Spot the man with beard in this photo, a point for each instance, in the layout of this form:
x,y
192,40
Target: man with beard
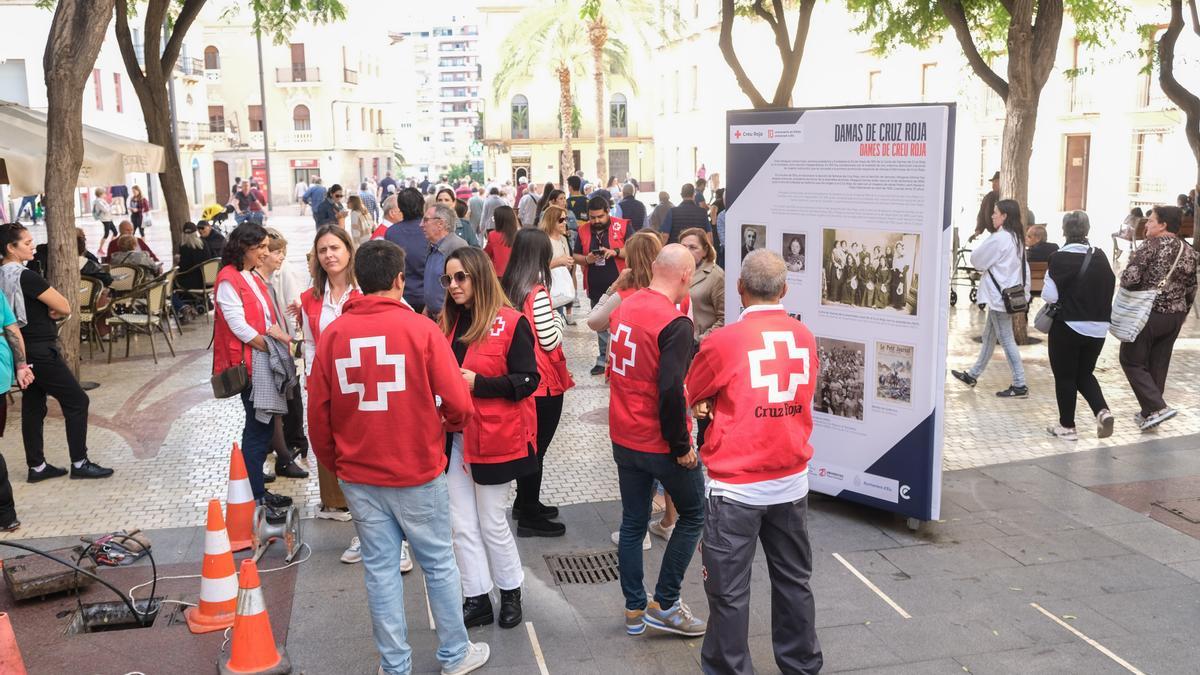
x,y
600,248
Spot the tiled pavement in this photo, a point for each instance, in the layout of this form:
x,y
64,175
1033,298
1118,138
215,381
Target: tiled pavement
x,y
169,439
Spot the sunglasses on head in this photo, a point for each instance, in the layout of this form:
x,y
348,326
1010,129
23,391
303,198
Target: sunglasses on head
x,y
459,278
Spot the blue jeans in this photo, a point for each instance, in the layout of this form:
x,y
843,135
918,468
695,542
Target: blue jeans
x,y
602,339
383,518
999,328
256,443
636,473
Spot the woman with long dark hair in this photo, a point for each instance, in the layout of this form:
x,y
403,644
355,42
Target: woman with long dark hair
x,y
500,240
245,320
1001,262
526,283
494,345
543,201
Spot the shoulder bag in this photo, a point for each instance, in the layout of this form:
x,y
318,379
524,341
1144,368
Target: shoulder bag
x,y
562,291
1015,300
231,381
1131,309
1049,311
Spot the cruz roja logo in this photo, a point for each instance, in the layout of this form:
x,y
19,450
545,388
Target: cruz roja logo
x,y
372,374
622,351
769,369
498,327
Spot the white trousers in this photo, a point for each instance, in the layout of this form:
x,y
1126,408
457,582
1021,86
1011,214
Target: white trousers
x,y
483,542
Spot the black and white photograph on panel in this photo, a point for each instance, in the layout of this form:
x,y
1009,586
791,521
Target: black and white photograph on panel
x,y
793,251
893,373
841,376
754,237
873,270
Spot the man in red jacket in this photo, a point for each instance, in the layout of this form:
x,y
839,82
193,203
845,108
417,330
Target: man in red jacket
x,y
651,438
378,368
755,379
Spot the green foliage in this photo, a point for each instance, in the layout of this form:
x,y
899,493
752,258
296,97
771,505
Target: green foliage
x,y
463,171
278,18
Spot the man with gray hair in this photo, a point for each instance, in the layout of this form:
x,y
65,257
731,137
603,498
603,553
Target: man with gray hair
x,y
1037,248
631,208
755,379
438,225
659,214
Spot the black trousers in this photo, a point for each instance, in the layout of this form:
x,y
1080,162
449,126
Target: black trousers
x,y
1073,361
8,506
1147,359
731,533
293,423
108,225
549,411
52,377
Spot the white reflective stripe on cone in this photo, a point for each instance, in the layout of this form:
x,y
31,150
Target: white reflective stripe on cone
x,y
250,602
240,492
216,543
219,590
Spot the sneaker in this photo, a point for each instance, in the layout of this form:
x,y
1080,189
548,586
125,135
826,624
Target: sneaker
x,y
11,527
597,370
675,619
964,377
1157,418
277,501
616,539
327,513
570,319
1065,433
1104,424
1014,392
477,655
1138,419
406,563
49,471
657,529
353,552
89,469
633,621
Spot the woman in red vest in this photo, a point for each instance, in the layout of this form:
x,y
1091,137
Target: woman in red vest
x,y
494,346
500,240
245,318
525,283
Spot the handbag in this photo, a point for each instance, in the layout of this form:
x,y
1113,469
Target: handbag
x,y
231,381
1049,311
562,291
1131,309
1015,300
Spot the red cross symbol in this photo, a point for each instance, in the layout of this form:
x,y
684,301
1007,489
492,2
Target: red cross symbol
x,y
622,352
498,327
370,376
737,134
770,370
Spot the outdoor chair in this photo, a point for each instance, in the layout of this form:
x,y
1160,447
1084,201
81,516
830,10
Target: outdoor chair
x,y
125,279
90,290
208,270
145,311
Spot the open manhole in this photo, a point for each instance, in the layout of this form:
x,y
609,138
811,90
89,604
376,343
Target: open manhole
x,y
103,617
584,568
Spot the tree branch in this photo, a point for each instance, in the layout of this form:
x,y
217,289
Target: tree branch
x,y
731,57
762,13
791,63
183,23
1047,29
156,16
1188,102
957,16
125,42
1195,17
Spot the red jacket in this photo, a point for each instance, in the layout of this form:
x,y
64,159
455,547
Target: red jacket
x,y
501,430
633,419
762,371
552,365
498,251
372,412
312,306
228,351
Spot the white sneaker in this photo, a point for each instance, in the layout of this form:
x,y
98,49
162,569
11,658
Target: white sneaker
x,y
616,539
1104,424
1157,418
657,529
1065,433
326,513
477,655
353,553
406,563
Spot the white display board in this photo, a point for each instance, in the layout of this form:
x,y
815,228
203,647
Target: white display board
x,y
857,200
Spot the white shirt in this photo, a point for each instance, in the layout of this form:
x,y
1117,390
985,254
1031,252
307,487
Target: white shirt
x,y
331,309
235,313
1096,329
762,493
999,254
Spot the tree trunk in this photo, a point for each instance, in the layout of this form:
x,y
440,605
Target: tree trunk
x,y
598,35
158,131
565,105
1016,149
72,46
1187,101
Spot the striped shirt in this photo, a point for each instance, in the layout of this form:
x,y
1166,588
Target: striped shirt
x,y
547,323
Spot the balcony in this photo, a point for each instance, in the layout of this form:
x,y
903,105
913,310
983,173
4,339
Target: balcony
x,y
189,68
295,140
1079,95
212,75
1150,95
297,74
349,76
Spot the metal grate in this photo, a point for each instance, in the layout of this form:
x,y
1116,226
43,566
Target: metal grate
x,y
584,568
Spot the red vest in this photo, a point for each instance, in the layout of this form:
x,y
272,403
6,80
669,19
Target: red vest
x,y
228,351
312,311
633,371
617,229
684,307
501,430
762,371
552,365
380,231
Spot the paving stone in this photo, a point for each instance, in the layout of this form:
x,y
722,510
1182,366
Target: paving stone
x,y
1038,549
960,559
1154,540
1068,657
1159,610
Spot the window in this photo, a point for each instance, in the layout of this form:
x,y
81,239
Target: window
x,y
678,84
212,58
362,119
989,162
618,116
1151,153
255,115
99,91
928,73
520,117
618,164
872,86
695,87
117,91
216,118
300,118
447,136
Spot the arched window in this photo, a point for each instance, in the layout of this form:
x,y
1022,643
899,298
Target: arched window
x,y
212,58
520,117
301,119
618,116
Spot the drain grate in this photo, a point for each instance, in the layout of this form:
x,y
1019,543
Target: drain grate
x,y
584,568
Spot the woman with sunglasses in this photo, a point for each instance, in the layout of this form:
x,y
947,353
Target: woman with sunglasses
x,y
525,283
494,345
554,224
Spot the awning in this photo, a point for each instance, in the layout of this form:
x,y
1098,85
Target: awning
x,y
107,157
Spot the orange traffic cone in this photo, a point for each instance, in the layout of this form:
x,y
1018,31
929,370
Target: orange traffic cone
x,y
218,579
239,503
11,662
252,648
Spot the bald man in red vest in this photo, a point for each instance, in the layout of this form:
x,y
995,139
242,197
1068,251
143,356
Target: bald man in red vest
x,y
755,379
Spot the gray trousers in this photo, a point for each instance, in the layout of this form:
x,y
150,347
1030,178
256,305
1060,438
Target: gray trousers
x,y
731,532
